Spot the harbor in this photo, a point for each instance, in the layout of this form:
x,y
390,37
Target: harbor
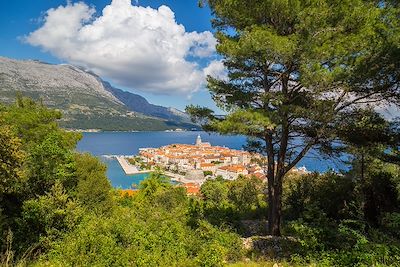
x,y
128,168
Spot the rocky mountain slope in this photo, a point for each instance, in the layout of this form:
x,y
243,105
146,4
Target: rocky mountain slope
x,y
86,100
138,103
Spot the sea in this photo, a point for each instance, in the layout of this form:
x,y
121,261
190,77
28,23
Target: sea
x,y
104,144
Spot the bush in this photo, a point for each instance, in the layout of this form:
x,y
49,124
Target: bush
x,y
345,244
391,223
48,217
206,173
229,202
331,193
93,189
145,235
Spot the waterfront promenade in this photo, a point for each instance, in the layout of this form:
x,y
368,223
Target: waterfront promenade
x,y
128,168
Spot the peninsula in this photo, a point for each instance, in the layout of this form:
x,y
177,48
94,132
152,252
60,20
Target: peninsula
x,y
194,163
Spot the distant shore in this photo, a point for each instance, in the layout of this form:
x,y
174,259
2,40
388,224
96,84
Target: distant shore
x,y
126,131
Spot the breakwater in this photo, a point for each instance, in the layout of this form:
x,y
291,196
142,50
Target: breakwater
x,y
128,168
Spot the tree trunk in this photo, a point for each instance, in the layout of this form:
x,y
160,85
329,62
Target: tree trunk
x,y
276,198
275,206
273,191
275,176
362,167
368,204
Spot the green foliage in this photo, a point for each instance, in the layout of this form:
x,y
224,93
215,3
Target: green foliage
x,y
366,128
61,211
246,193
377,187
11,161
33,122
146,234
303,75
47,218
207,173
346,244
381,195
230,202
47,147
330,193
215,192
49,161
93,189
36,153
391,223
117,122
328,223
155,183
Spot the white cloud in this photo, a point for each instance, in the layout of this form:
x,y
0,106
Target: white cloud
x,y
137,47
216,69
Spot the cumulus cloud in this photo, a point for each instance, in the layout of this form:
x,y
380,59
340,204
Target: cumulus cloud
x,y
137,47
216,69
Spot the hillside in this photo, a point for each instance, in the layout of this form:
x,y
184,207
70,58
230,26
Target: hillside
x,y
86,100
138,103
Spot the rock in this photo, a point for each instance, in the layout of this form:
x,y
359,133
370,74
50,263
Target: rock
x,y
270,246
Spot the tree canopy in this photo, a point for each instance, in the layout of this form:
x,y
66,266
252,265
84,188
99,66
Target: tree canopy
x,y
296,70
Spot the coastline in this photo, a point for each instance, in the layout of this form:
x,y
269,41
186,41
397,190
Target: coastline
x,y
128,168
108,145
180,178
126,131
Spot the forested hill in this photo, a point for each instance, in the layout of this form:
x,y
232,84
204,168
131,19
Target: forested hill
x,y
86,101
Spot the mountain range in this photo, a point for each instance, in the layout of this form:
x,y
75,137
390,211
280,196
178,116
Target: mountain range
x,y
87,101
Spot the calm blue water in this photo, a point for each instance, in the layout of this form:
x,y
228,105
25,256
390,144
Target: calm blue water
x,y
128,143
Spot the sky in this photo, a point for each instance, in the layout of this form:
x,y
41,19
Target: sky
x,y
162,50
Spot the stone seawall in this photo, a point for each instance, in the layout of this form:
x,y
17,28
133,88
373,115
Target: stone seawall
x,y
128,168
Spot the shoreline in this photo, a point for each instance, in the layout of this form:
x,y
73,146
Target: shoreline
x,y
128,168
126,131
181,178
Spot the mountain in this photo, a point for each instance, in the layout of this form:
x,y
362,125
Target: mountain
x,y
86,100
139,104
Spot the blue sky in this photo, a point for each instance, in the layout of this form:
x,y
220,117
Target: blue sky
x,y
25,34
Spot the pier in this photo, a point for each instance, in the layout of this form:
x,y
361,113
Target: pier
x,y
128,168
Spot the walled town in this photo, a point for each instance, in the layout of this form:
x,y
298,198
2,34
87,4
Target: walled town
x,y
202,160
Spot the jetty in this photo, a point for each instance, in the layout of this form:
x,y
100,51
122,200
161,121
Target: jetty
x,y
128,168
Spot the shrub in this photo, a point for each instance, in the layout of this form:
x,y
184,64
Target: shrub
x,y
149,236
330,192
48,217
93,189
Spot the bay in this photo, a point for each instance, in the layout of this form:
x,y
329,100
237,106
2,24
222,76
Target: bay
x,y
128,143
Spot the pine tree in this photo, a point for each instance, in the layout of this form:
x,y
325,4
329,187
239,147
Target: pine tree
x,y
295,71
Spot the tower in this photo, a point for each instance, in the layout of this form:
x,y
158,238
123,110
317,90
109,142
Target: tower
x,y
198,140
